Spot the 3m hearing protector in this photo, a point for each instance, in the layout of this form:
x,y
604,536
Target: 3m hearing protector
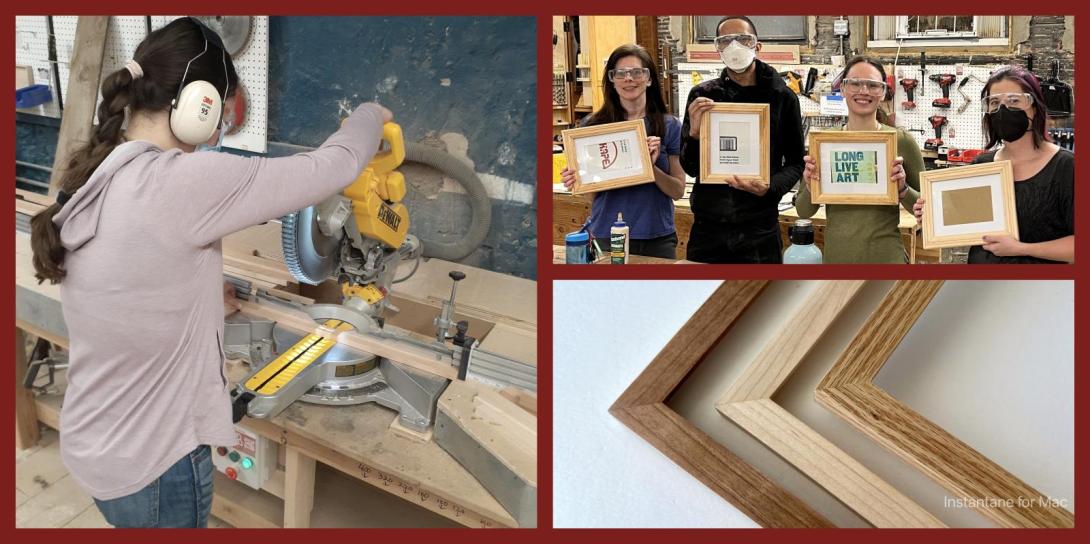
x,y
197,108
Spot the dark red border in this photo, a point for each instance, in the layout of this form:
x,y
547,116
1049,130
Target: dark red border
x,y
548,272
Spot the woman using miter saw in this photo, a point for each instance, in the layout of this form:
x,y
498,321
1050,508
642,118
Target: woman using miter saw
x,y
1044,173
134,241
866,233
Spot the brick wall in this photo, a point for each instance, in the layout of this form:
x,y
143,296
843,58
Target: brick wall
x,y
1045,42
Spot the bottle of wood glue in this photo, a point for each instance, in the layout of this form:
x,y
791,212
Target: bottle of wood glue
x,y
618,241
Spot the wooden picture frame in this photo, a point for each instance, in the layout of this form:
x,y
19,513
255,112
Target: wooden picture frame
x,y
623,147
642,407
746,144
964,204
848,390
748,402
825,148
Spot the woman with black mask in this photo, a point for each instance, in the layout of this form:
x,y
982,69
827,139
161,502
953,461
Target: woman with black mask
x,y
1044,174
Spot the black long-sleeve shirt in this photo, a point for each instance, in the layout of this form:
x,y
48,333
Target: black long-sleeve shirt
x,y
1045,204
724,204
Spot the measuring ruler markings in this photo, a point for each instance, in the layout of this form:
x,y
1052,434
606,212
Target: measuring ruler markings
x,y
275,375
432,501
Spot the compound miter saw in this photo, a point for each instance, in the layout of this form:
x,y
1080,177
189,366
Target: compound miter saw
x,y
357,238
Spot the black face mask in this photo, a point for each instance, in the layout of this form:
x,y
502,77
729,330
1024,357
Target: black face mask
x,y
1007,124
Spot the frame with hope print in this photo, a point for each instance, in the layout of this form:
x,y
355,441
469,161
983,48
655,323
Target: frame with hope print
x,y
608,156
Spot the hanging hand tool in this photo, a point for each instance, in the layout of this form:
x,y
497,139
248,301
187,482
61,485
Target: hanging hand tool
x,y
910,87
944,81
961,90
923,72
937,122
811,80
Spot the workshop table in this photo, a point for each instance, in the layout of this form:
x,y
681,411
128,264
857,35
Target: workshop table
x,y
356,440
571,211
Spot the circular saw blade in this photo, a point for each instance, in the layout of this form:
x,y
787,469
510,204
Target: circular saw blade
x,y
310,256
233,30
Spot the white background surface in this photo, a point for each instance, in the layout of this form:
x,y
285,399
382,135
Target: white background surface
x,y
590,169
992,362
750,142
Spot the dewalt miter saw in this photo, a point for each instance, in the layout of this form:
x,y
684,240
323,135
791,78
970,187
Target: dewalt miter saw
x,y
357,238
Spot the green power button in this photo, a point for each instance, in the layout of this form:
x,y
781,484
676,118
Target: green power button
x,y
233,456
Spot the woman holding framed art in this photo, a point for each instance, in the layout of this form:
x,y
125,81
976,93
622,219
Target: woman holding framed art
x,y
860,233
1044,173
633,92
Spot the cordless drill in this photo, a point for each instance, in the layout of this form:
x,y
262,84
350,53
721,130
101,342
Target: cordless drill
x,y
944,81
910,89
937,121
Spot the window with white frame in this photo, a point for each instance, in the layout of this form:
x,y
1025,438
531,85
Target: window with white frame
x,y
936,26
938,30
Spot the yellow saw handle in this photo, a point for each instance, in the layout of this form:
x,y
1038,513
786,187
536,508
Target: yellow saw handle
x,y
387,161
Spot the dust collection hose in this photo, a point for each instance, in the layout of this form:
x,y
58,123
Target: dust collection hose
x,y
479,200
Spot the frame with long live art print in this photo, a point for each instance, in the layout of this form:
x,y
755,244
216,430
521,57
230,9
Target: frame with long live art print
x,y
608,156
854,167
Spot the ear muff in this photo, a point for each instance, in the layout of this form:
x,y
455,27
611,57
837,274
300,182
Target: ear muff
x,y
195,114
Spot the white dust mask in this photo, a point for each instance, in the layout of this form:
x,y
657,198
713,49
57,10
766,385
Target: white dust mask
x,y
737,57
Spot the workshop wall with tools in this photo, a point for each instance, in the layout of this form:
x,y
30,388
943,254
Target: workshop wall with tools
x,y
1044,44
936,68
421,68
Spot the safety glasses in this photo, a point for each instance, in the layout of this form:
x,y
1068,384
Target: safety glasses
x,y
1013,101
857,85
724,41
636,74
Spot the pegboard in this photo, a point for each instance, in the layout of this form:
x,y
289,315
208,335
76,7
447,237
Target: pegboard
x,y
252,65
32,49
967,125
689,74
123,34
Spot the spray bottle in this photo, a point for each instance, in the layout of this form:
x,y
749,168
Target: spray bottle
x,y
802,249
618,241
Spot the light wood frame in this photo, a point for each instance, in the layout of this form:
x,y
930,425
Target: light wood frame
x,y
819,137
706,145
1006,187
748,402
642,407
646,174
849,391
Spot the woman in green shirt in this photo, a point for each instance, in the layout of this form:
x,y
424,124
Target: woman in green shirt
x,y
866,233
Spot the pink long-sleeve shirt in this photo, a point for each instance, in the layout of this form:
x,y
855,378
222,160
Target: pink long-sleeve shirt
x,y
143,294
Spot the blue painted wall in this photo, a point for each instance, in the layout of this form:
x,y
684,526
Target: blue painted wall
x,y
469,79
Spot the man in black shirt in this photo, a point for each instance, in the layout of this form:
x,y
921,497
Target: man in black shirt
x,y
738,222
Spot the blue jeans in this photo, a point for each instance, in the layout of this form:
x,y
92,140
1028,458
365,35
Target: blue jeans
x,y
181,497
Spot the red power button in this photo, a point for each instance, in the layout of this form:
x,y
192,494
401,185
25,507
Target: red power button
x,y
231,473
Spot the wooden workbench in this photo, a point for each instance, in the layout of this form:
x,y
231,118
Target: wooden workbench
x,y
571,211
355,440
